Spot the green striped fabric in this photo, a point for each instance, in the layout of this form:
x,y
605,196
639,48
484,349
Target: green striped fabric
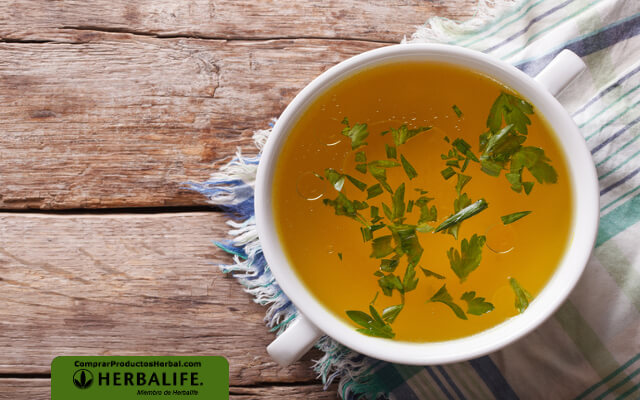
x,y
590,349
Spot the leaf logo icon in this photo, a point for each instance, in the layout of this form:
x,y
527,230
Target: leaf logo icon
x,y
82,378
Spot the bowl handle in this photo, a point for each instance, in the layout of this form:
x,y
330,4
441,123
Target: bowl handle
x,y
294,342
560,71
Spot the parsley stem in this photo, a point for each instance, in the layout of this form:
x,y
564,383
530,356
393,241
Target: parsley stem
x,y
463,214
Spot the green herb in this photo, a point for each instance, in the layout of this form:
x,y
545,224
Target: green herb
x,y
427,214
429,273
343,206
384,163
522,296
379,171
389,282
462,181
476,305
358,133
410,206
457,111
373,191
402,134
513,110
408,168
422,200
407,241
509,218
360,185
495,140
490,167
447,173
390,314
464,166
381,247
398,202
452,154
464,148
340,256
534,159
503,145
374,214
391,151
409,281
362,168
361,157
372,325
387,211
459,203
443,296
374,298
421,191
501,152
527,187
446,139
360,205
453,163
469,257
461,145
466,212
376,227
367,233
388,265
424,228
335,178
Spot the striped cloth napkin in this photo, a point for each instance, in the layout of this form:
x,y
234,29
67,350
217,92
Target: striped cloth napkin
x,y
590,349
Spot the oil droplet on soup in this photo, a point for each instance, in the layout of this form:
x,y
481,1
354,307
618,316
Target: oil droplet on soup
x,y
327,250
310,186
501,238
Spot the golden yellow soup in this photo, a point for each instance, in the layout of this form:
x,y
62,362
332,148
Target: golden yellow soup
x,y
332,255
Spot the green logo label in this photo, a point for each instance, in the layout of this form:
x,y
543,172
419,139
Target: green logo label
x,y
82,378
124,378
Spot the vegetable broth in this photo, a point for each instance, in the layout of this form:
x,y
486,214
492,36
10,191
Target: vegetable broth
x,y
327,250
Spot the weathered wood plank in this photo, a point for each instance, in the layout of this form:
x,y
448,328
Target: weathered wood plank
x,y
380,20
124,121
127,285
40,389
32,389
308,392
120,120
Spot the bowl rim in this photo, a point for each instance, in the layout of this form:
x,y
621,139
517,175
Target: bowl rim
x,y
578,249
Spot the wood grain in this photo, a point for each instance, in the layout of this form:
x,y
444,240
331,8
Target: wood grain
x,y
125,120
127,285
97,119
32,389
375,20
307,392
40,389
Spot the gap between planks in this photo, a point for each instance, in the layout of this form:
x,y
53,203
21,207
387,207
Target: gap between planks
x,y
230,39
40,389
125,211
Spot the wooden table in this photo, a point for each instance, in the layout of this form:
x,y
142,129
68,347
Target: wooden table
x,y
106,108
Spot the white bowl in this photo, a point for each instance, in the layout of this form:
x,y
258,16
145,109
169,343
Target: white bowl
x,y
316,320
